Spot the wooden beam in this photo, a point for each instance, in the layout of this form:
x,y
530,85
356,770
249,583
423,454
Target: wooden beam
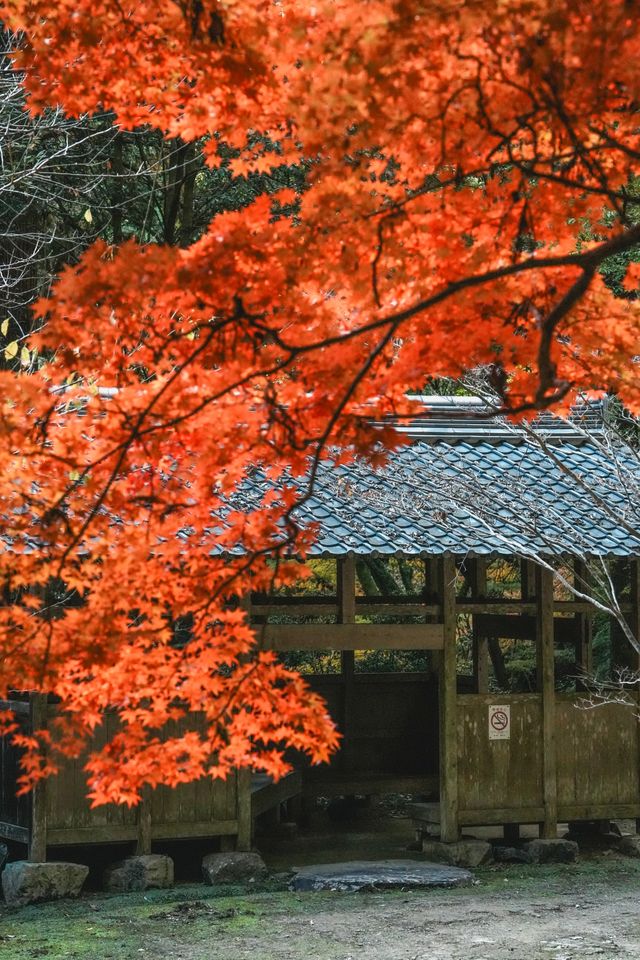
x,y
480,640
448,695
116,833
369,607
353,636
546,673
38,833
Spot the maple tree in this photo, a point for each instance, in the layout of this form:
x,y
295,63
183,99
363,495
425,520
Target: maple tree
x,y
469,171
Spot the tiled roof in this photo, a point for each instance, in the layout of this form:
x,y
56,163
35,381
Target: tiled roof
x,y
475,486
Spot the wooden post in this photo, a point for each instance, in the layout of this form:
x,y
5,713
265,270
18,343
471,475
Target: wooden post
x,y
634,615
480,643
431,595
527,579
243,802
448,704
38,835
143,839
347,614
584,624
243,839
546,672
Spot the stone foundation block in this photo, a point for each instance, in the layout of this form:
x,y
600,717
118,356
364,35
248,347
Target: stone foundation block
x,y
146,872
233,867
623,828
24,882
630,846
462,853
552,851
502,854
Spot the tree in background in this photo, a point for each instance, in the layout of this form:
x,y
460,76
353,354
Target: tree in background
x,y
468,171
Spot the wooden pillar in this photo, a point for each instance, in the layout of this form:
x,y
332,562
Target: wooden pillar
x,y
143,839
243,806
244,836
347,614
480,643
448,704
584,625
634,615
38,834
546,673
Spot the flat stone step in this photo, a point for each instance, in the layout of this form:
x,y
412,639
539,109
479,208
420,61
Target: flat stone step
x,y
379,875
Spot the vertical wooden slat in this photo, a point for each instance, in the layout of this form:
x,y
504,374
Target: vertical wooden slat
x,y
546,671
448,704
480,643
584,624
38,837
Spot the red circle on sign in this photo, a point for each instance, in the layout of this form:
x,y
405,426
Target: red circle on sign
x,y
499,720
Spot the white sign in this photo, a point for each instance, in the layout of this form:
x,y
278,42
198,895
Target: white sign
x,y
500,722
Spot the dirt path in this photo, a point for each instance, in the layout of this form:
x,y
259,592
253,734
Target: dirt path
x,y
587,910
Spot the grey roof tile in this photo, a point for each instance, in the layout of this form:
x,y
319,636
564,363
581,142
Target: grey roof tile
x,y
492,495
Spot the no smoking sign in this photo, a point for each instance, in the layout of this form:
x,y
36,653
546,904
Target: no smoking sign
x,y
500,722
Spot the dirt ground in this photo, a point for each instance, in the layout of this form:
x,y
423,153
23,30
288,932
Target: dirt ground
x,y
590,909
573,912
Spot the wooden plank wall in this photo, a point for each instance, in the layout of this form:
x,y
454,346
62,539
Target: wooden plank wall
x,y
496,777
597,750
14,810
392,726
597,759
202,808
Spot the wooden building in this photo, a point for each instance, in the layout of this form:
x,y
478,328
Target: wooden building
x,y
469,494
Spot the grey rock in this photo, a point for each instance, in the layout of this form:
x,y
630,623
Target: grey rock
x,y
146,872
552,851
630,846
462,853
4,855
233,867
623,828
511,855
24,882
379,875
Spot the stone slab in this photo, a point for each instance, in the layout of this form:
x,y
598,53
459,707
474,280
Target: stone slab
x,y
379,875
